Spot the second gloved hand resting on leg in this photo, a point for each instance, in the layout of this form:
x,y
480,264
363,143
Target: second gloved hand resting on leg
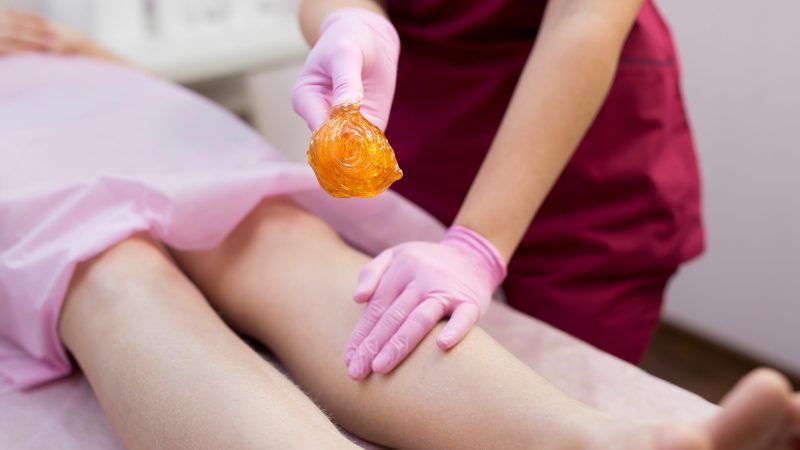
x,y
410,287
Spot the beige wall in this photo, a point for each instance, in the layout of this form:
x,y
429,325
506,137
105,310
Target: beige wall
x,y
741,64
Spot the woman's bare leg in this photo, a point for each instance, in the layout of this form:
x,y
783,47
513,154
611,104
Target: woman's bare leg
x,y
285,278
167,370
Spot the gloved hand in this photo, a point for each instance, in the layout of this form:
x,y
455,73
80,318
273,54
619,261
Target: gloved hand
x,y
410,287
354,59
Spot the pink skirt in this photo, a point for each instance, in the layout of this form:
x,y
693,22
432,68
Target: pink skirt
x,y
92,152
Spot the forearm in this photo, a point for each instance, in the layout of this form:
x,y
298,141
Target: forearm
x,y
559,93
313,12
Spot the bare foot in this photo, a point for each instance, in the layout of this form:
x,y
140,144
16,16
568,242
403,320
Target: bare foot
x,y
754,414
758,414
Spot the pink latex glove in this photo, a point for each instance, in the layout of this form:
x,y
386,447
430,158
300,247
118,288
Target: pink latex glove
x,y
411,287
354,60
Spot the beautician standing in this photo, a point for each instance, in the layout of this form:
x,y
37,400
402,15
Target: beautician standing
x,y
551,134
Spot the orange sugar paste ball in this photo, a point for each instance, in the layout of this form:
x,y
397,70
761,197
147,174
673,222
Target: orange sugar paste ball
x,y
350,156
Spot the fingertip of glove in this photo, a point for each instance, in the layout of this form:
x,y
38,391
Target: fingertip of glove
x,y
382,364
361,296
357,371
448,339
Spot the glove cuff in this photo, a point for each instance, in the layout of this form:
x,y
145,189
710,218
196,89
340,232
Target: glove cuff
x,y
463,237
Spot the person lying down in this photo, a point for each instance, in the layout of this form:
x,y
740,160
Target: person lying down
x,y
142,227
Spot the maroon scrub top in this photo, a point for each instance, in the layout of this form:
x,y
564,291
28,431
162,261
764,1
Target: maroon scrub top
x,y
626,210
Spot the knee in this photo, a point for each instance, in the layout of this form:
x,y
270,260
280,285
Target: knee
x,y
135,259
281,222
105,283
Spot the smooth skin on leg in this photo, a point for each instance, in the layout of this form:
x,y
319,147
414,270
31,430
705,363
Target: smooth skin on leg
x,y
168,372
285,278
